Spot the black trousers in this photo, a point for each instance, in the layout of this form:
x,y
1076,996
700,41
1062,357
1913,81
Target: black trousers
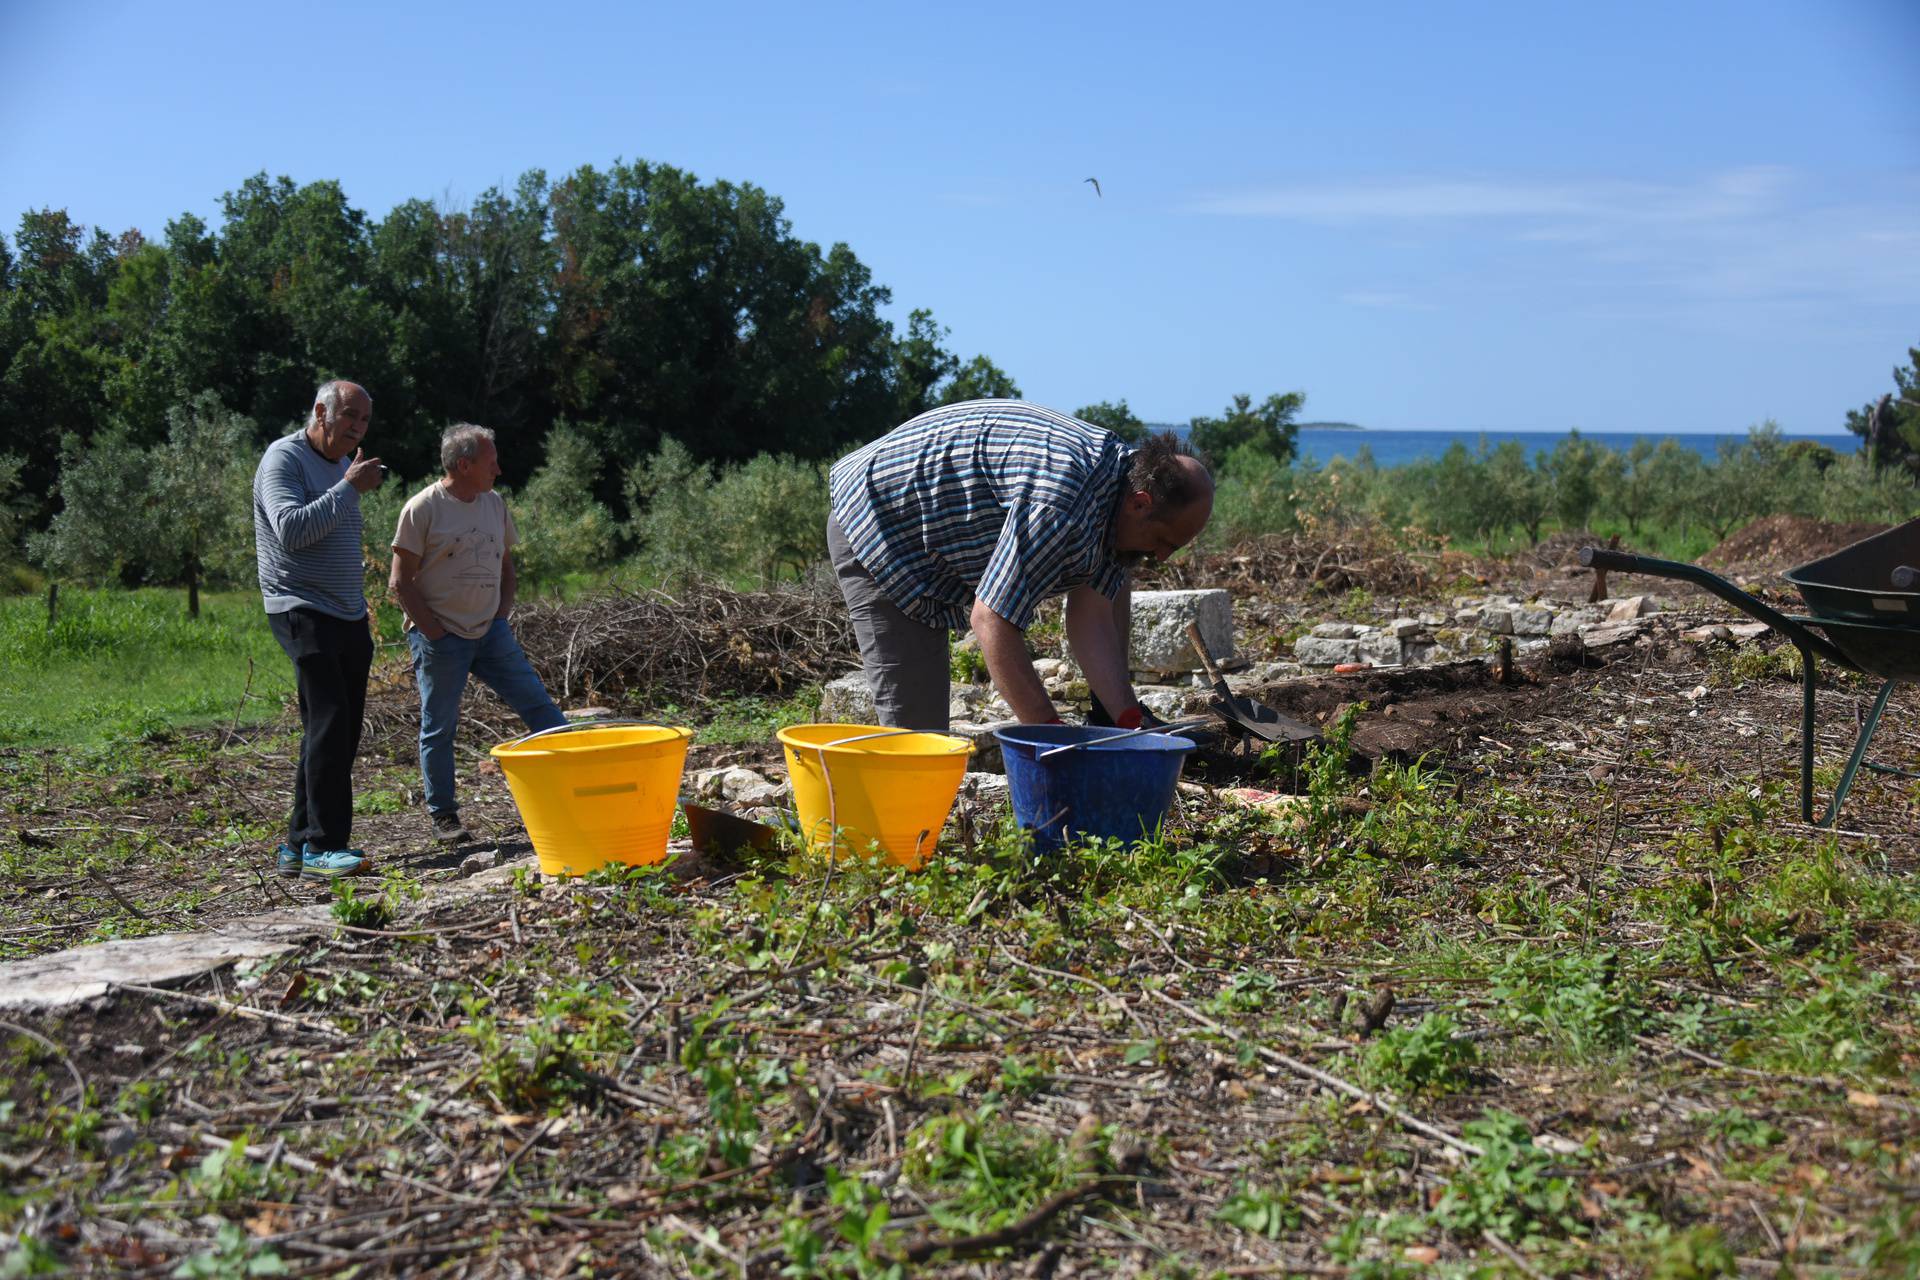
x,y
331,658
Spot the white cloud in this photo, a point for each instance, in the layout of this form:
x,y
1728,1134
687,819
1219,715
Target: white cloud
x,y
1755,234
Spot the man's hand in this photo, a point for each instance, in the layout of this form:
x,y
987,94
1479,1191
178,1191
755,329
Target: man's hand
x,y
365,474
1005,649
405,585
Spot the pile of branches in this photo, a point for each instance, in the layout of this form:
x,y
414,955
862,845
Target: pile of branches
x,y
1365,559
692,647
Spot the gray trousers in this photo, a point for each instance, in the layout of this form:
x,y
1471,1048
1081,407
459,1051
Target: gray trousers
x,y
907,662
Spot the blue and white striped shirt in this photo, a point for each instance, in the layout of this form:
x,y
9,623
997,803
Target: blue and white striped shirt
x,y
306,532
995,500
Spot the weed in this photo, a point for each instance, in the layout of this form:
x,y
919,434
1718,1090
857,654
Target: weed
x,y
1262,1210
234,1256
1427,1057
988,1170
1573,998
1511,1188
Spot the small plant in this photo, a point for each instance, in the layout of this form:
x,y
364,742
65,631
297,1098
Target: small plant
x,y
968,665
1511,1188
233,1257
1427,1057
1264,1211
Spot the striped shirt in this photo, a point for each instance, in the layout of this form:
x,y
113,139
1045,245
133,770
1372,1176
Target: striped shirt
x,y
990,500
306,532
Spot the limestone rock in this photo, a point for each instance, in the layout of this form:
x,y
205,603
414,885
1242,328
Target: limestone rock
x,y
1158,640
1533,621
1318,651
1337,631
848,700
1630,608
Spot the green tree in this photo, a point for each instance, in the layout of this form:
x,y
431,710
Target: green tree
x,y
1270,428
1574,473
675,515
920,363
776,515
195,517
1115,417
1898,442
563,528
979,379
1521,492
98,529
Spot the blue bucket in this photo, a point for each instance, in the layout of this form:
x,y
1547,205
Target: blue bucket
x,y
1120,788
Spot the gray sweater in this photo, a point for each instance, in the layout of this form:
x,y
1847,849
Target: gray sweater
x,y
306,532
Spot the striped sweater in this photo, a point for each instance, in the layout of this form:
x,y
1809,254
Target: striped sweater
x,y
306,532
991,500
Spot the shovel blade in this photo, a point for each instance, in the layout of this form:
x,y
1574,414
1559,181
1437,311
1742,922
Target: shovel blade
x,y
1263,722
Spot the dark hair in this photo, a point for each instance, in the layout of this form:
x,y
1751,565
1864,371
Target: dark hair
x,y
1156,472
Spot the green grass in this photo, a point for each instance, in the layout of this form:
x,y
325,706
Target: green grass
x,y
120,664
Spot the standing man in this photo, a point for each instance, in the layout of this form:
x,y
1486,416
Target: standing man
x,y
306,532
970,516
453,574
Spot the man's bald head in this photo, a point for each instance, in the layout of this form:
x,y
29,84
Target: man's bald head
x,y
1168,501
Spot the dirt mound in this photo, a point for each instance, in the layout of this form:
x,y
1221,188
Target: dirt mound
x,y
1774,543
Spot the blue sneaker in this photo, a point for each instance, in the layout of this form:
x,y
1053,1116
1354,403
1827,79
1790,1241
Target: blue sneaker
x,y
331,864
287,860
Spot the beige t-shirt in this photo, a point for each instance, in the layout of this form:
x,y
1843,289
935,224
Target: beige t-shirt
x,y
460,545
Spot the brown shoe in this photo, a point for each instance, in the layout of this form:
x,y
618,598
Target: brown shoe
x,y
448,827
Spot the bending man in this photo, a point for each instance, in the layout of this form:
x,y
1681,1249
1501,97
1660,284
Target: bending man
x,y
453,575
972,515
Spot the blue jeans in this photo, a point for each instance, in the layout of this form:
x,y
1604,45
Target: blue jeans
x,y
442,667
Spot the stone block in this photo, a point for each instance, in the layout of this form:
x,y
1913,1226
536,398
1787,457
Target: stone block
x,y
848,700
1318,651
1382,650
1497,621
1337,631
1405,628
1166,702
1532,622
1632,607
1158,641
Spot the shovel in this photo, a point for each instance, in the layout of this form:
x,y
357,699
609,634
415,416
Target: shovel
x,y
1244,713
724,835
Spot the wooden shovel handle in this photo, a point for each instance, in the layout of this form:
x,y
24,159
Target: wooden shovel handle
x,y
1200,647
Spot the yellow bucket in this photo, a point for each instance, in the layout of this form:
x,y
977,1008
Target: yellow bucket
x,y
882,787
596,793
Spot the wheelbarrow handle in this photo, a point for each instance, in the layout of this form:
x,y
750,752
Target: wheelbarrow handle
x,y
1706,580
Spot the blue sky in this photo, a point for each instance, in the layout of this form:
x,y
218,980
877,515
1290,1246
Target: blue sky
x,y
1663,217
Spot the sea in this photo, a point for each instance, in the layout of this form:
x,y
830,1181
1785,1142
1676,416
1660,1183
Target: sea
x,y
1322,444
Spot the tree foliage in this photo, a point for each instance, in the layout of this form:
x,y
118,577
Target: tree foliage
x,y
636,301
1115,417
177,514
1269,429
1897,441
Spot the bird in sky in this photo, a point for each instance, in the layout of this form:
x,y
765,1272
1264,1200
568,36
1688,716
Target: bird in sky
x,y
1096,186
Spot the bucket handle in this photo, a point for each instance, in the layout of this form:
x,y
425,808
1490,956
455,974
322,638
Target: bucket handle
x,y
585,724
1172,728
